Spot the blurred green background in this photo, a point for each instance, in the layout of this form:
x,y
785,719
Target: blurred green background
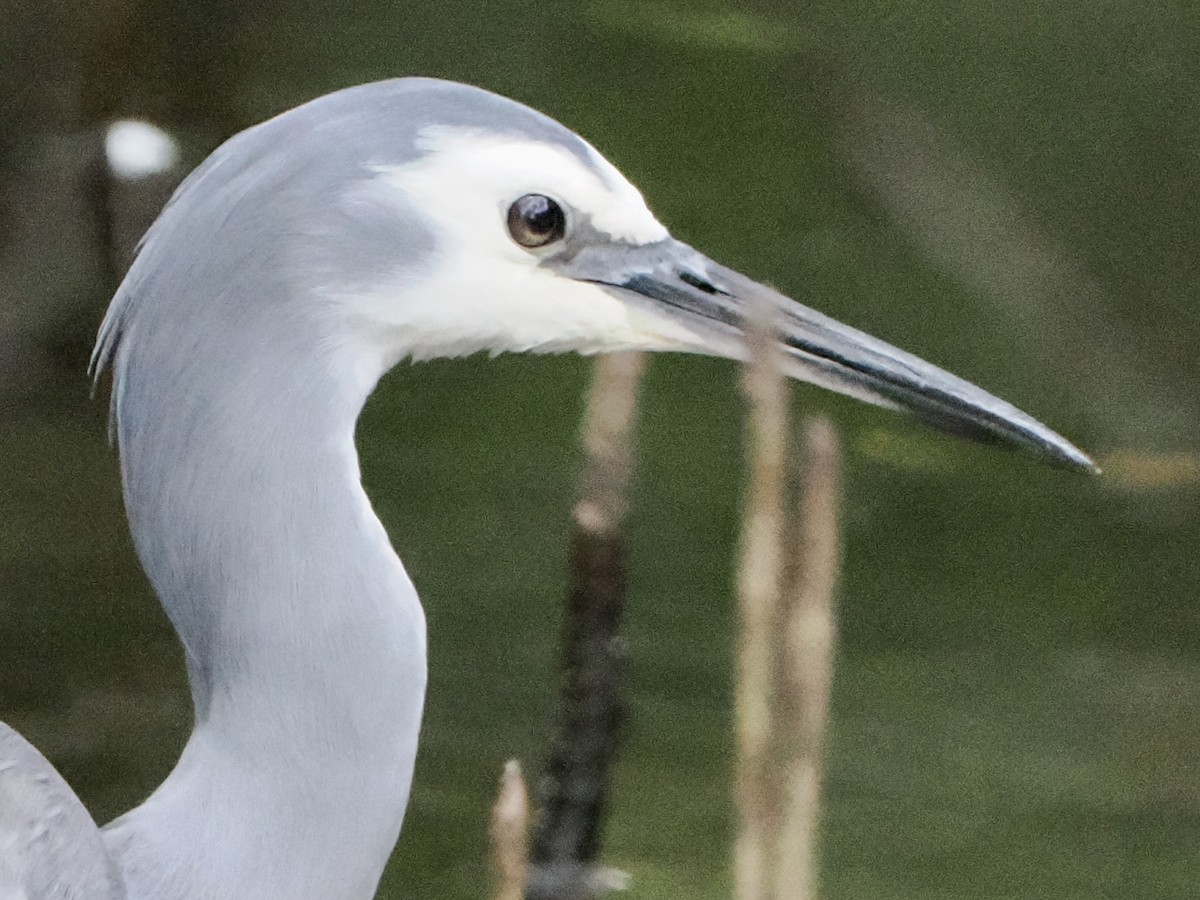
x,y
1009,190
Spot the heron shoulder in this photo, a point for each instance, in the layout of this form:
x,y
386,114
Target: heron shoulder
x,y
50,848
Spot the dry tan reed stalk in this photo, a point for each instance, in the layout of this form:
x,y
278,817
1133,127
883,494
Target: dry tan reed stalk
x,y
608,424
759,586
509,835
806,664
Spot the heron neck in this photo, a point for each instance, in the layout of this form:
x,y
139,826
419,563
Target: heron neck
x,y
304,639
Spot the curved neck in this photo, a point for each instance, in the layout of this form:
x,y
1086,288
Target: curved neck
x,y
304,639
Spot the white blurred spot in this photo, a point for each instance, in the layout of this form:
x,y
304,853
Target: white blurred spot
x,y
138,149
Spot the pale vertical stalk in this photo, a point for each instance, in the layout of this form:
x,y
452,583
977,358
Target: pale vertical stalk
x,y
759,586
573,791
806,664
509,835
608,425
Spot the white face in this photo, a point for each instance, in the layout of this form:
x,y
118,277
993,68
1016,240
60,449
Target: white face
x,y
486,291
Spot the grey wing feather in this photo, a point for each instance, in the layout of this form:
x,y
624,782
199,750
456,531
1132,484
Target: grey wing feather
x,y
50,848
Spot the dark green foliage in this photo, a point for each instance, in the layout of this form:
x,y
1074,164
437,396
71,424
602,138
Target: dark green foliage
x,y
1018,695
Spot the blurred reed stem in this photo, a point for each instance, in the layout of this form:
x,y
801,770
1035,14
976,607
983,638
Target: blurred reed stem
x,y
786,577
759,588
573,790
805,668
509,834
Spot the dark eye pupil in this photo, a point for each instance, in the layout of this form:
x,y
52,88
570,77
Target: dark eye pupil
x,y
535,220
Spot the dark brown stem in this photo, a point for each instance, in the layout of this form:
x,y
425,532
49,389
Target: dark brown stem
x,y
106,76
573,791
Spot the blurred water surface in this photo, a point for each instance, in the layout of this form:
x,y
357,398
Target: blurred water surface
x,y
1010,191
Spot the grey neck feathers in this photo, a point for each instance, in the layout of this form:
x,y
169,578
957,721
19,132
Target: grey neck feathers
x,y
304,640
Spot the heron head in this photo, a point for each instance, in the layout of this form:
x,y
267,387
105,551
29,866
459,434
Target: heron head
x,y
419,218
536,243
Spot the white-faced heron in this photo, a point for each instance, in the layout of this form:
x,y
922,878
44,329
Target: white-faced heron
x,y
407,219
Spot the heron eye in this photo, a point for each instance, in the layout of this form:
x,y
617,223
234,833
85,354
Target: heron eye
x,y
535,221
